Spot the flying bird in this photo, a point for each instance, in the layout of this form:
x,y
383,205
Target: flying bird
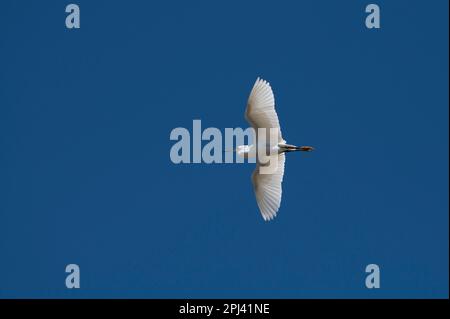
x,y
260,113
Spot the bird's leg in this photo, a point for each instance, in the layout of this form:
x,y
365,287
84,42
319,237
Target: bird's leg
x,y
293,148
305,148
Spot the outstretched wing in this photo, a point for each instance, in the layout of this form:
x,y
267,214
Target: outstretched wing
x,y
260,112
268,190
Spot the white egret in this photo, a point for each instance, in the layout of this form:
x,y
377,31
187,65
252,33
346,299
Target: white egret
x,y
260,113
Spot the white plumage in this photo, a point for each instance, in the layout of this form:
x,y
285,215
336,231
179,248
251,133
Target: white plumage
x,y
268,189
260,113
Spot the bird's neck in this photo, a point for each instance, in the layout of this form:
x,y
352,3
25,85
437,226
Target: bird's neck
x,y
246,150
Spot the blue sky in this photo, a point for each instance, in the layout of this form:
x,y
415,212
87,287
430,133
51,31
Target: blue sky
x,y
86,177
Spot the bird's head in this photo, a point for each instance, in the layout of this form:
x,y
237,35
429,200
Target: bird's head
x,y
242,150
238,149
